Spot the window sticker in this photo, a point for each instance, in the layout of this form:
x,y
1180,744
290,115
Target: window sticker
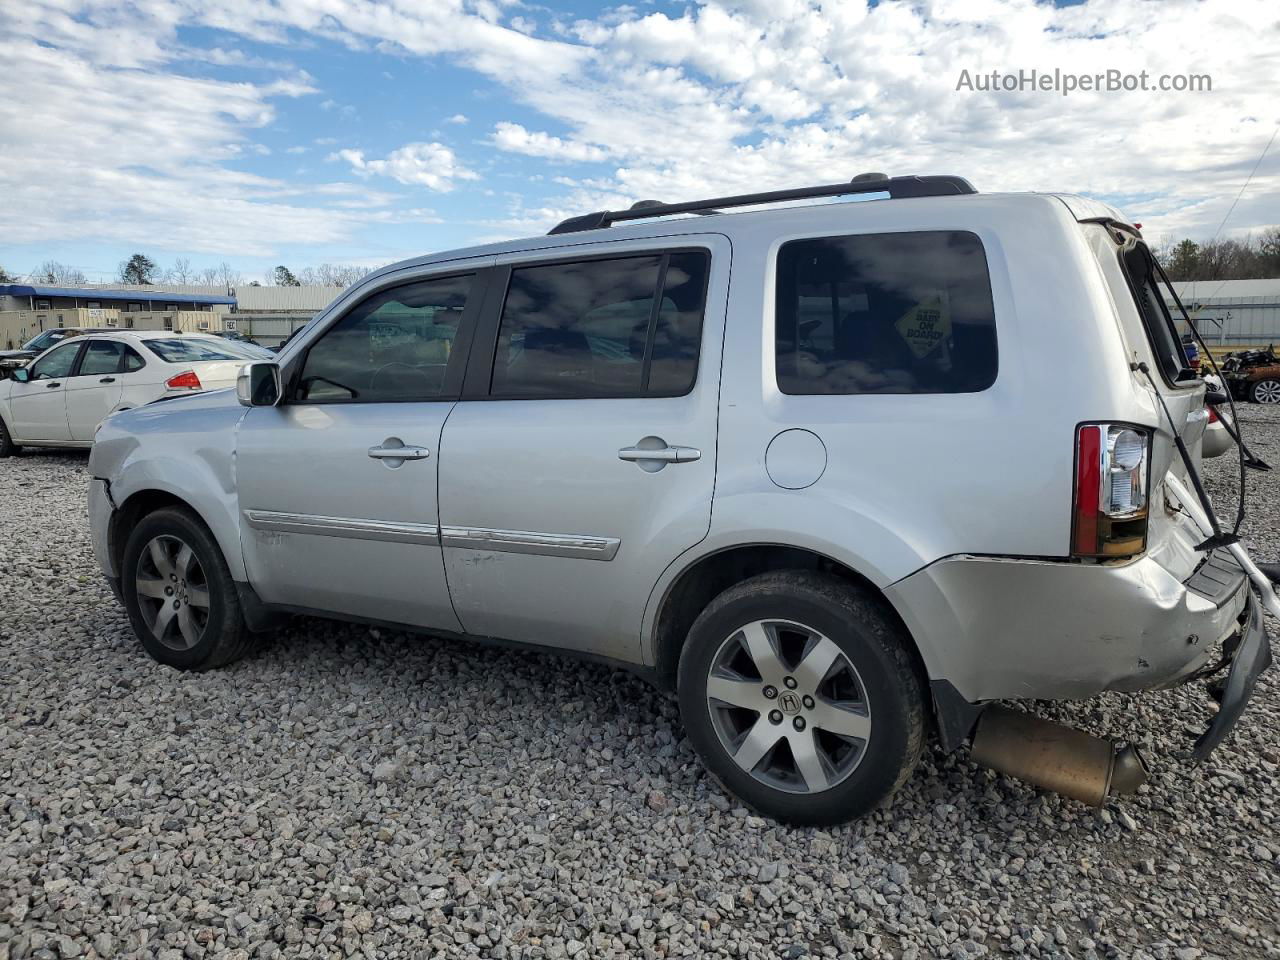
x,y
927,325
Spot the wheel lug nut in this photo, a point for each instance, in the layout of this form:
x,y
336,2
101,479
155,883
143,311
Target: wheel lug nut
x,y
168,591
770,692
790,683
798,723
808,703
775,716
177,604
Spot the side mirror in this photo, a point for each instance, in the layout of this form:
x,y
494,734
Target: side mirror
x,y
258,384
21,374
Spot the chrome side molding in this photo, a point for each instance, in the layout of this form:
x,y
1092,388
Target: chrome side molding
x,y
522,541
350,528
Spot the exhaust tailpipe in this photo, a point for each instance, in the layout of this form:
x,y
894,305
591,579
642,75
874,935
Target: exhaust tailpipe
x,y
1056,757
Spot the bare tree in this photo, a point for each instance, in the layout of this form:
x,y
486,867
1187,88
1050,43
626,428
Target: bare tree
x,y
228,276
51,271
180,272
209,276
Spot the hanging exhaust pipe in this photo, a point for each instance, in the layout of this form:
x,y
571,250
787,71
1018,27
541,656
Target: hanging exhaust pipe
x,y
1056,757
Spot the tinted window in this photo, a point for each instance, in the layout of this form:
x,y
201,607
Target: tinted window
x,y
396,345
101,357
132,361
1155,315
56,363
885,313
629,326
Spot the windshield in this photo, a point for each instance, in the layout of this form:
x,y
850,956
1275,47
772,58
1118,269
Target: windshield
x,y
194,351
45,340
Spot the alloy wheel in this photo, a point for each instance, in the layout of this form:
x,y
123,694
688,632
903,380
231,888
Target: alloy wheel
x,y
172,592
788,706
1267,391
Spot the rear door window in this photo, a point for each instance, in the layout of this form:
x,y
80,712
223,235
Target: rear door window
x,y
885,313
615,327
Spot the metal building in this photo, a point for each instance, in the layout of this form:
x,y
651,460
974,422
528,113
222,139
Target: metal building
x,y
1234,312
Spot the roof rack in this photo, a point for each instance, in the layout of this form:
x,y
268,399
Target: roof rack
x,y
898,188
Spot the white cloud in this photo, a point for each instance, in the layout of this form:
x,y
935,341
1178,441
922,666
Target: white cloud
x,y
516,139
458,118
431,165
725,96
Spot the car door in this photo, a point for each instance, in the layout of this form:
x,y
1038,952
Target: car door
x,y
94,389
337,484
40,405
581,461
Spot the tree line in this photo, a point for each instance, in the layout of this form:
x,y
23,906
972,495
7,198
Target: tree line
x,y
140,269
1253,258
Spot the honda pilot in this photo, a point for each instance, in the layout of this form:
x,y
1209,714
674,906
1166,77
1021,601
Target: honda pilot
x,y
840,466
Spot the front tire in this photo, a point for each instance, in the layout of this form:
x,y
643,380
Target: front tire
x,y
7,447
1265,391
800,695
178,592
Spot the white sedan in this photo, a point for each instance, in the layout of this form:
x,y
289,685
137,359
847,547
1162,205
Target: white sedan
x,y
59,399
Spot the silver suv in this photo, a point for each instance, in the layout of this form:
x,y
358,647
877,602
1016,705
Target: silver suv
x,y
839,474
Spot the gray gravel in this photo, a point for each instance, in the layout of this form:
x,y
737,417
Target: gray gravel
x,y
347,792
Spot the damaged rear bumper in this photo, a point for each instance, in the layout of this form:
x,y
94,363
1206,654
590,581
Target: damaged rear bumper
x,y
1249,658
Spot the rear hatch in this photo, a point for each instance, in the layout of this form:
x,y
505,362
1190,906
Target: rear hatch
x,y
1177,524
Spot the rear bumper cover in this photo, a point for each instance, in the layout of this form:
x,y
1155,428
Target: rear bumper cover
x,y
1252,655
1010,628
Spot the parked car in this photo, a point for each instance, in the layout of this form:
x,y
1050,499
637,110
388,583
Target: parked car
x,y
60,398
237,336
1253,375
9,359
840,475
1217,439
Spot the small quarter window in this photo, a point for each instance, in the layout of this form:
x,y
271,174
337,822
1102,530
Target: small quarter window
x,y
1163,335
885,313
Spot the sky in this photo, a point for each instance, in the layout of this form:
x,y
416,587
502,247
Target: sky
x,y
346,131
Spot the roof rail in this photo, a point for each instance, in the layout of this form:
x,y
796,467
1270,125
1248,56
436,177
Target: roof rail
x,y
898,188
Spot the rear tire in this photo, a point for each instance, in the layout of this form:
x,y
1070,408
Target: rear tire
x,y
7,447
1265,391
178,592
801,696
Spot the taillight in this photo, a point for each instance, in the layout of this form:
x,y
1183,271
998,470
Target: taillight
x,y
1109,518
184,381
1213,414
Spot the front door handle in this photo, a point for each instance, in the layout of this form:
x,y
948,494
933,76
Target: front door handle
x,y
393,451
50,386
107,380
649,451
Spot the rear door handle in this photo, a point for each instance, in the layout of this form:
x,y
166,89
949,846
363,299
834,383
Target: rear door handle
x,y
666,454
107,380
398,451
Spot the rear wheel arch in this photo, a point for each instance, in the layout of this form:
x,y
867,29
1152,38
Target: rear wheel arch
x,y
708,576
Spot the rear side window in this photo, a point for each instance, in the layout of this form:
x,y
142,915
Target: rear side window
x,y
885,313
629,326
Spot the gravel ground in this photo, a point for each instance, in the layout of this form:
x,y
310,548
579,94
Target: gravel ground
x,y
346,792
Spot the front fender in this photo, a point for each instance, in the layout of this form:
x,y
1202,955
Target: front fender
x,y
184,448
